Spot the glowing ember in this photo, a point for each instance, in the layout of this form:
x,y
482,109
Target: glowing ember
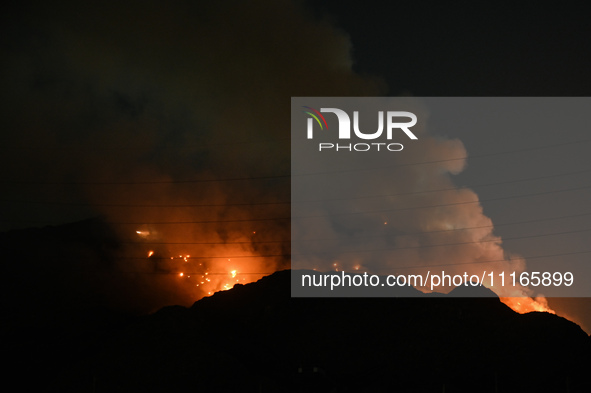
x,y
207,273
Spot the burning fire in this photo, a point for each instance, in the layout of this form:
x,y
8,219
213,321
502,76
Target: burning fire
x,y
518,300
524,305
206,275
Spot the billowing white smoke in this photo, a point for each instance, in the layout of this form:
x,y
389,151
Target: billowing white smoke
x,y
395,212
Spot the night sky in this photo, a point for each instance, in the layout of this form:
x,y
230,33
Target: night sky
x,y
145,113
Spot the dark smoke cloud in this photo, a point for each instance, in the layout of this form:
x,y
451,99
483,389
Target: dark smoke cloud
x,y
149,91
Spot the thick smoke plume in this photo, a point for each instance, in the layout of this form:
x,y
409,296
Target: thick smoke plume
x,y
397,212
138,111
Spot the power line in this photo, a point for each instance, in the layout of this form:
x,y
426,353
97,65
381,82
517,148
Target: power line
x,y
143,205
163,222
323,216
268,177
287,241
495,260
157,258
455,244
272,203
451,204
371,236
132,148
449,159
14,182
472,228
354,213
393,267
185,258
450,188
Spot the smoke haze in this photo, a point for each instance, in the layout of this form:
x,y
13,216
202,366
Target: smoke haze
x,y
137,112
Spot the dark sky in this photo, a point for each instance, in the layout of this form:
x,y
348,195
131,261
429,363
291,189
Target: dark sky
x,y
98,98
469,48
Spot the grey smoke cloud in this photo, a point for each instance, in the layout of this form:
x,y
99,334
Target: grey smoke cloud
x,y
400,212
130,92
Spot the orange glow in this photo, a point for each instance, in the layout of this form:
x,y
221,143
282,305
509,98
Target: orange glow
x,y
203,268
524,305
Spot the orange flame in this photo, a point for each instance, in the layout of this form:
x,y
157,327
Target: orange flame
x,y
524,305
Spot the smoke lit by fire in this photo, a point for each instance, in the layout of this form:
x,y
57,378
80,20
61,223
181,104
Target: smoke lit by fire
x,y
201,268
524,305
431,223
178,127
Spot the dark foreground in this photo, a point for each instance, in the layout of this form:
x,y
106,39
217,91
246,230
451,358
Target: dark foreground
x,y
255,338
